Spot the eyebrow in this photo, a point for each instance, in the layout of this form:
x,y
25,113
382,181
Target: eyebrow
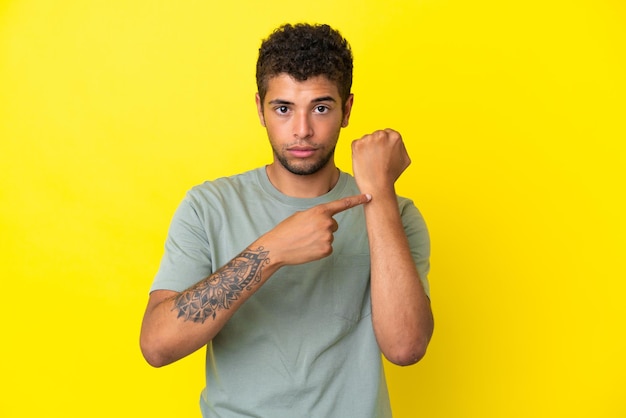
x,y
324,99
316,100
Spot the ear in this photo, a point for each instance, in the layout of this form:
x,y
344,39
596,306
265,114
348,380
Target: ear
x,y
347,108
259,109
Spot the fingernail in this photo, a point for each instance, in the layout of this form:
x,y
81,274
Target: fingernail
x,y
368,197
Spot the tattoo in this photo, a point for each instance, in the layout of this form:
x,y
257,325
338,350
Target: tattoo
x,y
219,290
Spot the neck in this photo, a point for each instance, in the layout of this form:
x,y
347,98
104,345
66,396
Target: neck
x,y
303,186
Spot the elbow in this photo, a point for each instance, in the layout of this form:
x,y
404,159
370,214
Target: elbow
x,y
407,356
152,354
154,360
409,351
411,347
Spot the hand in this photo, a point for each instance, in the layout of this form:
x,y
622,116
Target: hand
x,y
378,159
308,235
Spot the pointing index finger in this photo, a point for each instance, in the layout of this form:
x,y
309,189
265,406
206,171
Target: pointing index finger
x,y
345,203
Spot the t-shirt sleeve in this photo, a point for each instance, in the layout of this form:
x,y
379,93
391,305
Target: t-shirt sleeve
x,y
187,256
419,240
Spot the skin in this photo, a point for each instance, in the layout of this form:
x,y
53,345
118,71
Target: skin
x,y
401,312
303,121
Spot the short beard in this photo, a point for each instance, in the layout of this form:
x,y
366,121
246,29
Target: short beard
x,y
306,169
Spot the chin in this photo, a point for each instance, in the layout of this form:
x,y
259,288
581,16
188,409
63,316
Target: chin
x,y
305,168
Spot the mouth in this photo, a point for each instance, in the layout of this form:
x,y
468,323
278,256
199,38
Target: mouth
x,y
301,152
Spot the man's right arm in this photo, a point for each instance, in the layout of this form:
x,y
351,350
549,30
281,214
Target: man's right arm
x,y
177,324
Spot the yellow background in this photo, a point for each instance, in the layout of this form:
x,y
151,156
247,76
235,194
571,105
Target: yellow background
x,y
513,113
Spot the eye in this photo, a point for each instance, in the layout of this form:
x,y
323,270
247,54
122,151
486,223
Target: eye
x,y
321,109
282,109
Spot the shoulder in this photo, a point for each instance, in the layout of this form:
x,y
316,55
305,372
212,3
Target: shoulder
x,y
223,189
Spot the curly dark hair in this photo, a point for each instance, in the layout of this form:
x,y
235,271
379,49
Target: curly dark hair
x,y
302,51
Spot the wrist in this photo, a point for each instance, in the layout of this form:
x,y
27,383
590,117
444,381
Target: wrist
x,y
272,258
378,191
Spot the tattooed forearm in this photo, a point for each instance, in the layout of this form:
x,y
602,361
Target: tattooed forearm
x,y
219,290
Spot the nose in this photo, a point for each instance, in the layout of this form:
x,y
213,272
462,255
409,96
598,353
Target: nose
x,y
302,128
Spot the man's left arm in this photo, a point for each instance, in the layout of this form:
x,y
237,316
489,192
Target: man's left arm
x,y
401,312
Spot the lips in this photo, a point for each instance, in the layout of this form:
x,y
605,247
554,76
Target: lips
x,y
301,152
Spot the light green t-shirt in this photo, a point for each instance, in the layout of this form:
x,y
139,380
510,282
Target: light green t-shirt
x,y
303,345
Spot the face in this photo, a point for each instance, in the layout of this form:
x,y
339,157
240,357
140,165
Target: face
x,y
303,120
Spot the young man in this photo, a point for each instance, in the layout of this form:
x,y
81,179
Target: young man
x,y
297,275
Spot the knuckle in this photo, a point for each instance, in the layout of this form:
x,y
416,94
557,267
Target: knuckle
x,y
379,134
323,225
328,250
318,210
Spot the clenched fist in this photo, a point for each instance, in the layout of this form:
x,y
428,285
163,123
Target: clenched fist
x,y
378,159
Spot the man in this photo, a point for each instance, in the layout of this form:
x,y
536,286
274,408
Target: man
x,y
297,275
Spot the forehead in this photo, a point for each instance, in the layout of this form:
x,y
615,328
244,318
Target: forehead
x,y
285,87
